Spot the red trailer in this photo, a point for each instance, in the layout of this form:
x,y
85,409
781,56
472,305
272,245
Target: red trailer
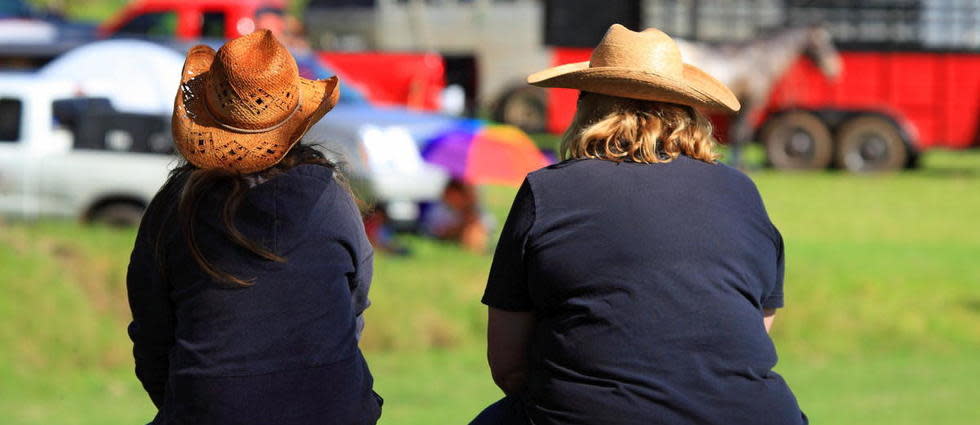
x,y
910,82
931,96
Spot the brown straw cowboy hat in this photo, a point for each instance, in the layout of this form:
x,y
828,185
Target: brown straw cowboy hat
x,y
242,108
640,65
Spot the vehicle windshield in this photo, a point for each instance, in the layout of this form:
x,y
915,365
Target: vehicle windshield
x,y
14,9
162,24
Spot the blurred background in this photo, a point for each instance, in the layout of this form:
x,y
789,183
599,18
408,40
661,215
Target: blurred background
x,y
859,125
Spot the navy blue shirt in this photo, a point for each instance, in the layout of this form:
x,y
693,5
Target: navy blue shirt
x,y
648,284
282,351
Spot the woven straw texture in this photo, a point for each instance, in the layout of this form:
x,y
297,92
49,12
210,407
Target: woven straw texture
x,y
643,65
243,107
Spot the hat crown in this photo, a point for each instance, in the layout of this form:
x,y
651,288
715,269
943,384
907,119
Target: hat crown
x,y
650,50
253,82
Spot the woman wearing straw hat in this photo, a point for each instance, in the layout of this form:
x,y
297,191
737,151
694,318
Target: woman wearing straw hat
x,y
251,268
635,282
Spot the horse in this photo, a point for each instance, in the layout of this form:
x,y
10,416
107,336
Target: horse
x,y
751,68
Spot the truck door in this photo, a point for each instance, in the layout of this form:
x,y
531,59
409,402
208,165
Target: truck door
x,y
13,155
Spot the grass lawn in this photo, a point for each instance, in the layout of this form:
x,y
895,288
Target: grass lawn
x,y
882,324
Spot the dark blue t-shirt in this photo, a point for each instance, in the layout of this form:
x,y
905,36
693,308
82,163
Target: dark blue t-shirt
x,y
282,351
648,283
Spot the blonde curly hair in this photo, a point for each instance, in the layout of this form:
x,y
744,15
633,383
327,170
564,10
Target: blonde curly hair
x,y
620,129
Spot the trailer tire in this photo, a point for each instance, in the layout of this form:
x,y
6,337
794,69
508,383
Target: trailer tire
x,y
798,140
870,143
118,214
523,107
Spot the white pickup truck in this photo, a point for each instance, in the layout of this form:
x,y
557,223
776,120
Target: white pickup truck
x,y
47,169
103,158
65,155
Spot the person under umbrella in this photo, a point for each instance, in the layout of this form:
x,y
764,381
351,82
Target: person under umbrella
x,y
458,217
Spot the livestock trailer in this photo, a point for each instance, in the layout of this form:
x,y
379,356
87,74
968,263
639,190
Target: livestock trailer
x,y
910,80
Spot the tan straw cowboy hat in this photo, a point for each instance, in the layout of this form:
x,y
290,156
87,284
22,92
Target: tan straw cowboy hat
x,y
640,65
244,107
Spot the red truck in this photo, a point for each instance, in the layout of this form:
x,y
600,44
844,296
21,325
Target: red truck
x,y
415,80
189,19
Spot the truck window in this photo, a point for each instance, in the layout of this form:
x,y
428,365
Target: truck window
x,y
15,9
154,24
10,113
344,3
213,25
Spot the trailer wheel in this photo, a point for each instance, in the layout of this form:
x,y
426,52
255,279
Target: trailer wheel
x,y
870,144
118,214
524,107
798,141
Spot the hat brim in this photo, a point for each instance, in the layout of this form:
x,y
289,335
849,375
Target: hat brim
x,y
695,87
207,144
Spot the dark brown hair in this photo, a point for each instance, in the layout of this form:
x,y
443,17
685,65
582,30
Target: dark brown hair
x,y
191,184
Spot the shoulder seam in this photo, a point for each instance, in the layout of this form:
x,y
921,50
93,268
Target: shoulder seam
x,y
534,218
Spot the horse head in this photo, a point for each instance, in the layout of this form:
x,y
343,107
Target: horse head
x,y
821,50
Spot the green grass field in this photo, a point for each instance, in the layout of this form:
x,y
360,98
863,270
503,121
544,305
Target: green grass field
x,y
882,324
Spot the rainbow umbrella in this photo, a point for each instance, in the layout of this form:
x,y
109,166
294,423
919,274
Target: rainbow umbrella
x,y
482,153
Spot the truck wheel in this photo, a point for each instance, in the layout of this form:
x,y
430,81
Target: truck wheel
x,y
524,107
118,214
870,144
798,141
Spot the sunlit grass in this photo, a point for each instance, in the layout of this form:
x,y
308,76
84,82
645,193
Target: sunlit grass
x,y
883,302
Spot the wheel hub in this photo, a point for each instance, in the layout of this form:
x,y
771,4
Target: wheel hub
x,y
873,148
800,144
